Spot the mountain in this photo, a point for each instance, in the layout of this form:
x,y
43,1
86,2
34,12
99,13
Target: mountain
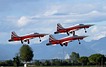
x,y
49,52
41,51
98,45
8,51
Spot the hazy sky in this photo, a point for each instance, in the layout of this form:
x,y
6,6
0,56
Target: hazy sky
x,y
29,16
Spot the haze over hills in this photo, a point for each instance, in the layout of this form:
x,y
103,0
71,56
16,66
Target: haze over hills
x,y
41,51
29,16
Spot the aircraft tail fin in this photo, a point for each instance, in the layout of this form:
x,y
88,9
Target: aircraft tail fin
x,y
51,38
13,34
59,26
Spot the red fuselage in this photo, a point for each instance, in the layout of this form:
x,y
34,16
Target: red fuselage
x,y
74,28
31,36
67,39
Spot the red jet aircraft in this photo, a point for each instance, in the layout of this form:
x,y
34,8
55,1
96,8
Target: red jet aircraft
x,y
64,41
72,30
15,37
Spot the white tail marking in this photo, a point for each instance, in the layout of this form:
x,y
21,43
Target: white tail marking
x,y
51,38
59,26
13,34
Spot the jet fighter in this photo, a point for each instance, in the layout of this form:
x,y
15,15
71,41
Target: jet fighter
x,y
61,29
64,41
26,38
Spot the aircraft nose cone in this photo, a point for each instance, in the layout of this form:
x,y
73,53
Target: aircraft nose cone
x,y
48,44
92,25
46,34
10,40
85,36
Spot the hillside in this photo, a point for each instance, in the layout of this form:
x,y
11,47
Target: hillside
x,y
41,51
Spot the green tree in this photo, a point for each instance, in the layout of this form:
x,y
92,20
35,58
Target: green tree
x,y
84,60
9,62
47,63
56,62
2,64
74,57
97,59
38,63
16,61
26,54
65,62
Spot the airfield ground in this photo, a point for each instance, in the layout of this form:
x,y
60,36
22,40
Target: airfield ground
x,y
56,66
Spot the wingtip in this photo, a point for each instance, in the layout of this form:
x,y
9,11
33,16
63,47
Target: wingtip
x,y
92,24
46,34
85,36
10,40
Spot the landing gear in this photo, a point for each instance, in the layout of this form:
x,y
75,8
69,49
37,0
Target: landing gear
x,y
48,44
68,34
65,44
28,41
40,39
55,32
21,41
61,45
79,41
73,32
85,30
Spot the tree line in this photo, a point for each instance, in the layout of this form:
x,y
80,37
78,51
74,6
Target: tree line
x,y
75,59
26,55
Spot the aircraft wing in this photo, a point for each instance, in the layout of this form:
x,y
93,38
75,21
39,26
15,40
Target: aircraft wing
x,y
66,41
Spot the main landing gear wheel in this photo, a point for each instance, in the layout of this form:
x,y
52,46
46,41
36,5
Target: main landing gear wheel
x,y
61,45
28,42
68,34
79,41
85,30
40,39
